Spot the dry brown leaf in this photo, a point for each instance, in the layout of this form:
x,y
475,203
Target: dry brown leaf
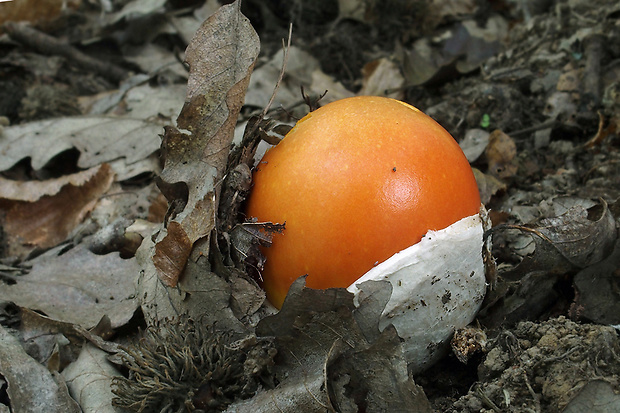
x,y
172,253
221,57
596,287
34,11
501,152
488,185
332,355
89,379
382,77
77,287
45,221
30,386
570,80
98,138
31,191
604,130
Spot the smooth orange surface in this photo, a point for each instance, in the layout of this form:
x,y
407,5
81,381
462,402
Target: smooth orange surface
x,y
356,181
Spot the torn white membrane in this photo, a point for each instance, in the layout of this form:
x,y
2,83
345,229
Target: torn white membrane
x,y
438,287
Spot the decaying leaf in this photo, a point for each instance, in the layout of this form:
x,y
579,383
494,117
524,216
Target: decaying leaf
x,y
501,152
245,239
135,9
463,47
332,355
582,236
488,185
31,388
77,286
352,9
200,293
52,343
597,287
43,214
299,68
569,242
89,379
439,10
382,77
98,138
474,143
32,191
221,57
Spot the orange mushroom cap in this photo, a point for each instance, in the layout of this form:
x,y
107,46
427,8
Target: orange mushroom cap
x,y
355,182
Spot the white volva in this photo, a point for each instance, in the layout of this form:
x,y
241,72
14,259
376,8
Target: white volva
x,y
438,287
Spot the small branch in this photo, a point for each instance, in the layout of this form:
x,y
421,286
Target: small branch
x,y
286,49
545,125
592,76
532,392
49,45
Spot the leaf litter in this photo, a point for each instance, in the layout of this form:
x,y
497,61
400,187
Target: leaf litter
x,y
550,175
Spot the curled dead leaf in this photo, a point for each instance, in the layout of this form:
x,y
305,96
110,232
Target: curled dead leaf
x,y
488,185
596,291
501,152
171,254
332,355
221,57
43,214
77,286
30,387
577,239
582,236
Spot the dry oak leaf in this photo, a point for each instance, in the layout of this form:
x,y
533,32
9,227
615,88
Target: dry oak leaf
x,y
582,236
43,213
221,57
333,357
77,286
89,379
34,11
98,139
501,152
577,239
30,387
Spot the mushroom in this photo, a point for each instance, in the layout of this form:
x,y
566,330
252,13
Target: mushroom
x,y
372,188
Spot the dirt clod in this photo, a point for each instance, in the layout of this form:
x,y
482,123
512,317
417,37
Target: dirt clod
x,y
541,367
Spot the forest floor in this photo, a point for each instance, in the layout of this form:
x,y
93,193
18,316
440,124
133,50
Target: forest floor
x,y
529,89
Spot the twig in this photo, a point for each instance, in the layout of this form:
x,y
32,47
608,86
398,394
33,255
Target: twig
x,y
287,49
485,400
312,106
532,392
262,115
546,125
49,45
592,76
